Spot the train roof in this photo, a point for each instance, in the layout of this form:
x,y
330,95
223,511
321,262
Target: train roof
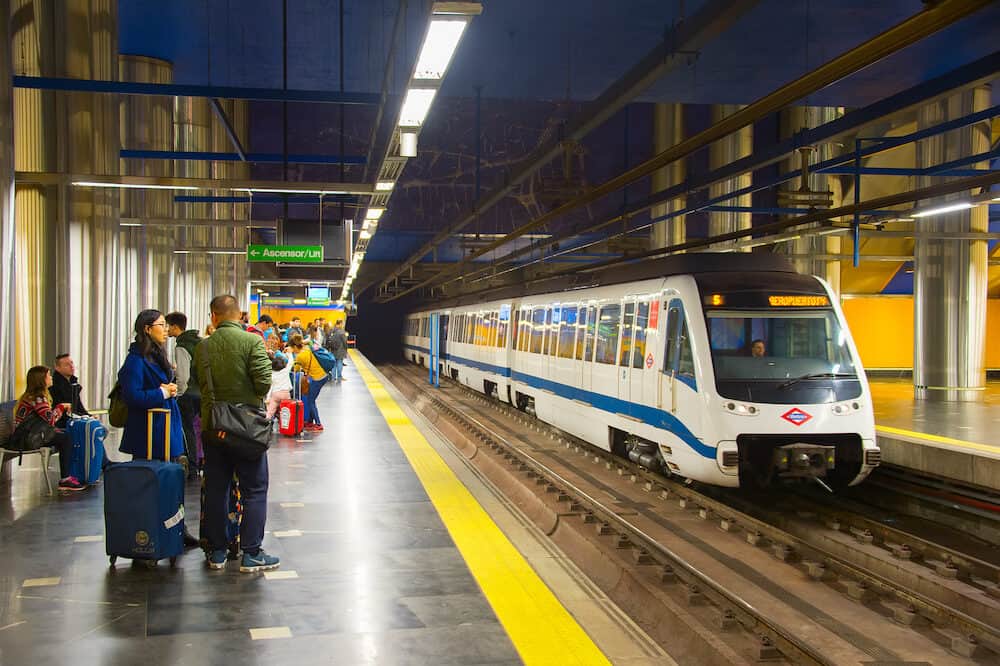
x,y
693,263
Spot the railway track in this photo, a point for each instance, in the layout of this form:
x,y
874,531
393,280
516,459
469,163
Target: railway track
x,y
814,586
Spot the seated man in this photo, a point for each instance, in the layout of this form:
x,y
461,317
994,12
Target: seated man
x,y
757,349
66,388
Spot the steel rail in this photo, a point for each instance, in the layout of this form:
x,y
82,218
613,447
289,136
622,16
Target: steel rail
x,y
943,614
930,20
676,48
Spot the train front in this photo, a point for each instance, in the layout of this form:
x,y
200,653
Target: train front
x,y
792,402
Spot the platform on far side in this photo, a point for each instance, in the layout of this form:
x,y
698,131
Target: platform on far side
x,y
954,440
387,556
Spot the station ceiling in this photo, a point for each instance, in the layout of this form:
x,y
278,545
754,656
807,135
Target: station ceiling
x,y
536,63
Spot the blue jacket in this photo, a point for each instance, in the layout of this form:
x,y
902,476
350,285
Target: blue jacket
x,y
140,380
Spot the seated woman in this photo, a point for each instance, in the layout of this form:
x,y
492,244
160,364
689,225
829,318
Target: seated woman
x,y
36,401
317,380
147,382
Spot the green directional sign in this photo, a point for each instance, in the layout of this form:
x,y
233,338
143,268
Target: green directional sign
x,y
293,254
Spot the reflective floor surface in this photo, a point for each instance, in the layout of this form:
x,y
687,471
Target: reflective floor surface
x,y
368,572
969,421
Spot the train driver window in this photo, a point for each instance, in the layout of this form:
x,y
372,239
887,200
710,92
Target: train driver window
x,y
639,339
685,362
625,355
607,333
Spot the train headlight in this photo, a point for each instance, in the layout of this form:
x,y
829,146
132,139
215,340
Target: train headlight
x,y
741,409
846,408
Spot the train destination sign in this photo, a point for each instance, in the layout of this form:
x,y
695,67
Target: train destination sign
x,y
292,254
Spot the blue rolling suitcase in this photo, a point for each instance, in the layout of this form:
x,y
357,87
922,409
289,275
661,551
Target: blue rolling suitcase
x,y
144,504
87,459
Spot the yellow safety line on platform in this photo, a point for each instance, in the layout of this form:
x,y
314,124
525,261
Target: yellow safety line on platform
x,y
541,629
938,438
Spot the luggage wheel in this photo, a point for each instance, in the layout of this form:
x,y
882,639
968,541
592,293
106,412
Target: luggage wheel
x,y
113,558
173,561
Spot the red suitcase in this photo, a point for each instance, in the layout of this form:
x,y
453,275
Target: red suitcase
x,y
290,417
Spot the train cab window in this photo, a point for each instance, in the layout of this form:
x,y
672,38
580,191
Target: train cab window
x,y
685,361
639,337
588,350
674,318
608,325
678,356
537,330
567,332
628,322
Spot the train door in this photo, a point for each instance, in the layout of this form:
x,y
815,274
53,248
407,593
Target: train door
x,y
678,363
587,323
641,358
444,320
625,352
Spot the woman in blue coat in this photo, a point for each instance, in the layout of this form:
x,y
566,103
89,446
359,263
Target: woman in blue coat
x,y
147,382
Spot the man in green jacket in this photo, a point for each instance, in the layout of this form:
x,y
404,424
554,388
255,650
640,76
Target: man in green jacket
x,y
233,367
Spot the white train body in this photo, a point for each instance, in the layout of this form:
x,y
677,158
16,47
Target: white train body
x,y
662,370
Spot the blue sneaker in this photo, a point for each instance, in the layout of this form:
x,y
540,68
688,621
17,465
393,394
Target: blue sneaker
x,y
259,562
216,559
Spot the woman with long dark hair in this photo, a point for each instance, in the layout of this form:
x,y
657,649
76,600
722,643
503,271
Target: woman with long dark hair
x,y
147,382
36,402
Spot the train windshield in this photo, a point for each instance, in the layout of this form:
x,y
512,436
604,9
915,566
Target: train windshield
x,y
781,355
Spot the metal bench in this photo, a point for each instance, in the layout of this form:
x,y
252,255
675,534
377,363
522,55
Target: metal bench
x,y
7,456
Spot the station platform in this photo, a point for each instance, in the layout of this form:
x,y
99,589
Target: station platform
x,y
393,551
953,440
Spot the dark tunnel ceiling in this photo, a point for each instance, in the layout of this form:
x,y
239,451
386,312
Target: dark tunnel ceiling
x,y
545,50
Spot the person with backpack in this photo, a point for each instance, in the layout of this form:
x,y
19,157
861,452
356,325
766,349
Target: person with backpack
x,y
36,403
188,392
316,377
336,344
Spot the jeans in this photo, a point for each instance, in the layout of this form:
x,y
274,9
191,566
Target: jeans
x,y
253,476
190,406
311,414
63,445
338,369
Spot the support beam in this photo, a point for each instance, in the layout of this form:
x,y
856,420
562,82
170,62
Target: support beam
x,y
678,47
220,113
184,90
262,158
42,178
195,222
924,23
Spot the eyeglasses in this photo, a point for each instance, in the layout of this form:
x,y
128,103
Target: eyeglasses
x,y
161,324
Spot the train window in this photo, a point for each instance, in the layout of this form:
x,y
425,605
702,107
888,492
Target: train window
x,y
670,352
581,331
639,338
567,332
489,340
470,328
423,327
549,344
685,362
515,329
588,351
537,330
463,334
445,319
608,325
625,356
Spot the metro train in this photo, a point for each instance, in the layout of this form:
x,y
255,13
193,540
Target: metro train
x,y
727,369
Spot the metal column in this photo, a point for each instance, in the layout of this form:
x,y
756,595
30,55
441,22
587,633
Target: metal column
x,y
668,130
7,285
722,152
793,120
950,276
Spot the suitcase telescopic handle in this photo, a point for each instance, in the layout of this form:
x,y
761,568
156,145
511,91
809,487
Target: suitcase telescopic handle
x,y
150,415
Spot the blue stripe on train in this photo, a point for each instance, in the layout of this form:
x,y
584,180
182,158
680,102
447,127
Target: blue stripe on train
x,y
651,415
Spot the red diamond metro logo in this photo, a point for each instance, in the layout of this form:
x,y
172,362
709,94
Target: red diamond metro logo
x,y
796,416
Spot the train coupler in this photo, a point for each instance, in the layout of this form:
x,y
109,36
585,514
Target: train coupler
x,y
803,460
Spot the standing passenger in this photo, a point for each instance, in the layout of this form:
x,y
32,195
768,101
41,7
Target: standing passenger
x,y
337,345
317,380
188,391
233,367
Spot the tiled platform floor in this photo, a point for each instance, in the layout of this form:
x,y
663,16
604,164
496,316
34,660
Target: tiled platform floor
x,y
369,574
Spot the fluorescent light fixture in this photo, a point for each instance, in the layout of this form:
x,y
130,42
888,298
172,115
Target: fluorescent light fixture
x,y
940,210
365,225
374,213
182,251
416,105
384,185
299,301
264,294
280,190
439,46
129,224
134,186
226,252
365,234
407,143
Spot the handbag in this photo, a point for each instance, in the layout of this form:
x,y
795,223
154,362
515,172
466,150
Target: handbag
x,y
244,430
31,434
304,381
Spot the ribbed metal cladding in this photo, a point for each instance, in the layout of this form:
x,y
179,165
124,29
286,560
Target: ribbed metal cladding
x,y
668,130
793,120
7,223
89,298
34,205
722,152
147,252
229,271
950,276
